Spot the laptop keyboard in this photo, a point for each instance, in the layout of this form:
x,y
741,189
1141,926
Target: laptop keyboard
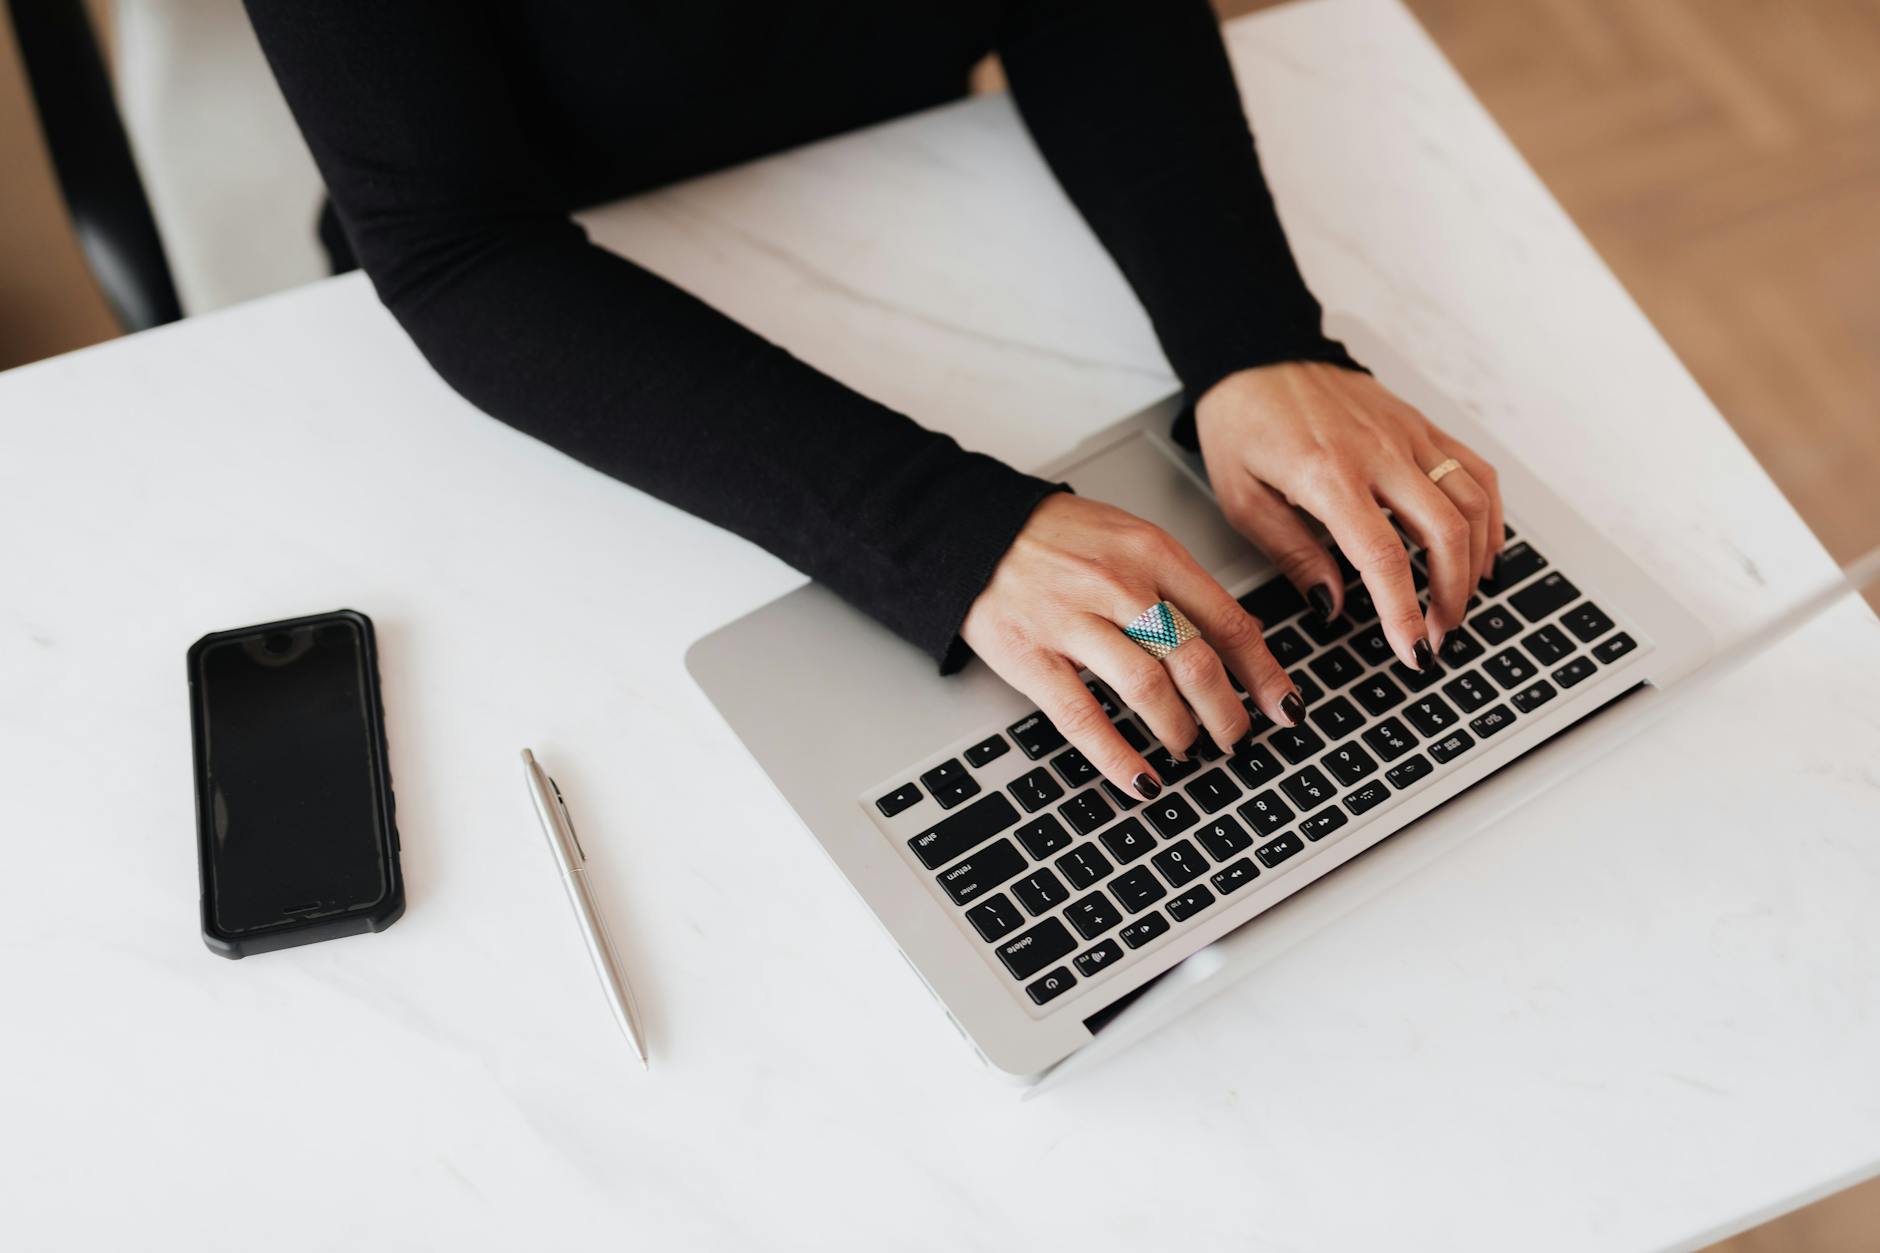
x,y
1062,877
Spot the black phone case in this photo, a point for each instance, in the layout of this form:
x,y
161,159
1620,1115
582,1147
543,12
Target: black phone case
x,y
291,934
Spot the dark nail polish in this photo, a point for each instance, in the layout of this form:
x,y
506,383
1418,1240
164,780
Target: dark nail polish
x,y
1147,787
1425,658
1321,598
1293,707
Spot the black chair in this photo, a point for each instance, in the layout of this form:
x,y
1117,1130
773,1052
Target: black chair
x,y
91,156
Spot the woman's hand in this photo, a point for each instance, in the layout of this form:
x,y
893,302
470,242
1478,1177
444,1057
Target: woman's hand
x,y
1078,571
1338,444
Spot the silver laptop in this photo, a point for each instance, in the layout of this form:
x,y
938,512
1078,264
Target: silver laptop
x,y
1036,901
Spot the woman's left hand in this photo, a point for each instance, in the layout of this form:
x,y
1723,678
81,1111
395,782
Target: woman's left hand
x,y
1338,444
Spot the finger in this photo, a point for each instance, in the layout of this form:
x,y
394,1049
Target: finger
x,y
1371,544
1235,637
1485,478
1053,682
1443,533
1264,517
1472,502
1139,681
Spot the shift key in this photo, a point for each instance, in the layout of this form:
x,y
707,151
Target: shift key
x,y
963,831
1031,951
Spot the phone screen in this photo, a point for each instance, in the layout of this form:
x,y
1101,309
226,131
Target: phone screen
x,y
290,753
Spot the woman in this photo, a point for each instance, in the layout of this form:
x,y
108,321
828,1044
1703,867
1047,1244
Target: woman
x,y
456,136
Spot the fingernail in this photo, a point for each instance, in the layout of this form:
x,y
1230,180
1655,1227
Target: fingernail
x,y
1293,706
1425,659
1147,787
1321,598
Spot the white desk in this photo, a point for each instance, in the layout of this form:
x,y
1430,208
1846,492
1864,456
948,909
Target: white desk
x,y
1644,1010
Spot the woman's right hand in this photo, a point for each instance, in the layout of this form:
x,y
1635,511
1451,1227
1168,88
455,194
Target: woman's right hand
x,y
1078,571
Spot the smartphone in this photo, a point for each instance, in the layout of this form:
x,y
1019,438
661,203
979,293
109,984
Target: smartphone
x,y
294,832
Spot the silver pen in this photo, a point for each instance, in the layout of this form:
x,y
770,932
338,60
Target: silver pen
x,y
566,845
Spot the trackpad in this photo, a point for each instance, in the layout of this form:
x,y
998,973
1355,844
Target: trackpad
x,y
1152,478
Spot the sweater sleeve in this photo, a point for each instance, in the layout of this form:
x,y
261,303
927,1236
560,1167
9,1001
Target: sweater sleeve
x,y
469,243
1133,104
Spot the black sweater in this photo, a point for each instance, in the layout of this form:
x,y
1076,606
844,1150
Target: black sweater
x,y
456,136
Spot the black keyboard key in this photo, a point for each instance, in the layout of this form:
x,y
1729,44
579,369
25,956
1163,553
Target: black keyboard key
x,y
1322,824
1533,696
1336,667
1409,771
1229,879
1035,736
1325,632
1508,668
1101,695
1349,763
1370,796
1179,863
944,775
1417,680
1190,903
1337,717
1122,800
1033,950
1429,714
989,749
1138,889
1273,852
1378,695
1086,811
1307,788
1548,645
1295,744
1587,621
1144,929
1255,766
1574,672
1496,624
1167,768
1036,790
1132,734
1613,649
1128,840
1051,986
1451,746
894,802
1470,691
1309,691
1213,791
959,832
957,792
1287,646
1074,768
1459,648
1266,813
1083,866
995,917
1359,606
1093,961
1092,915
1372,646
983,871
1543,596
1516,563
1040,890
1390,739
1171,815
1223,837
1494,720
1205,749
1043,836
1273,602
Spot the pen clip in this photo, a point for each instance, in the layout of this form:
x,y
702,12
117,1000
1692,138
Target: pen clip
x,y
567,818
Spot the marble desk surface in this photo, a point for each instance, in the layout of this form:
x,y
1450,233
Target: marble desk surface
x,y
1641,1011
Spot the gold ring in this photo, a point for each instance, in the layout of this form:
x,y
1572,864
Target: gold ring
x,y
1160,629
1436,475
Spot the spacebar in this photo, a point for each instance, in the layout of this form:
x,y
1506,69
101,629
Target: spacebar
x,y
964,831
